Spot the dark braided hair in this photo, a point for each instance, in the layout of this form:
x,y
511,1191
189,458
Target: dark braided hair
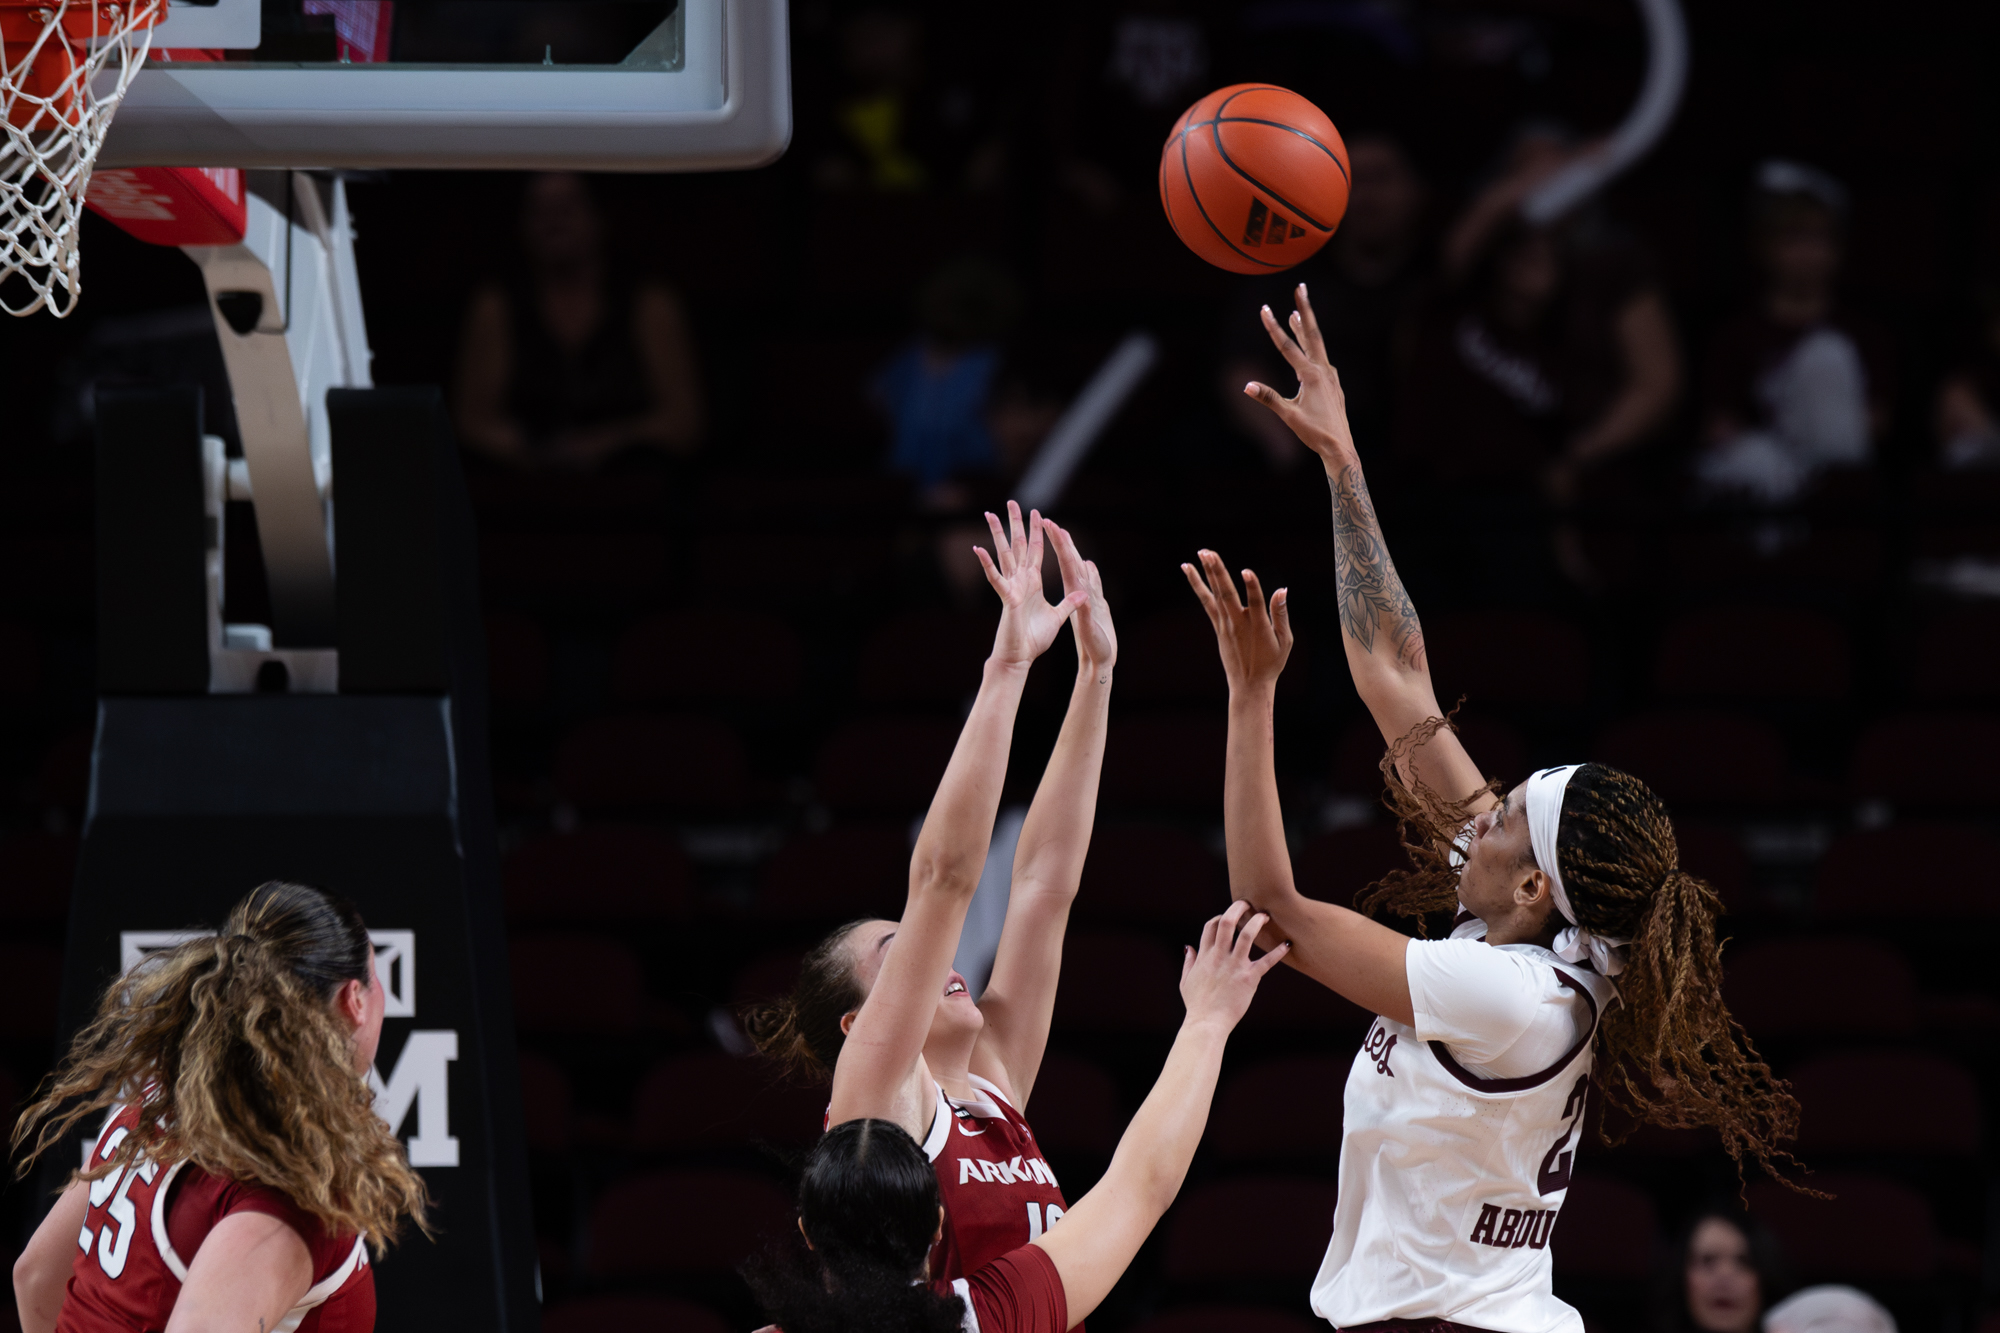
x,y
1671,1055
869,1203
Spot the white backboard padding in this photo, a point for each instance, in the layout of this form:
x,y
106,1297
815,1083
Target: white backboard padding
x,y
727,107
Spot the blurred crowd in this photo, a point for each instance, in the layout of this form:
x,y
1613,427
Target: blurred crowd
x,y
1701,479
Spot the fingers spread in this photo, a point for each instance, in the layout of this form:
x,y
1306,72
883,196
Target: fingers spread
x,y
1309,326
1247,934
1281,616
1219,581
1253,594
992,574
1203,595
1294,355
1002,557
1271,959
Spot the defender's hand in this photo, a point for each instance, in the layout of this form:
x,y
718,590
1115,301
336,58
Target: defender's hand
x,y
1028,624
1254,640
1096,638
1219,980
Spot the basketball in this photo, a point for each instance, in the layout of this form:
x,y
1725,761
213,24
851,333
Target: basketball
x,y
1254,178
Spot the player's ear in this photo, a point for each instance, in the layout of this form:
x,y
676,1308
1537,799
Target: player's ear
x,y
938,1235
802,1234
847,1021
351,1002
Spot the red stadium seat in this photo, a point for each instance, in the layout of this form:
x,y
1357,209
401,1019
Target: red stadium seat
x,y
600,567
1249,1228
1698,757
1926,760
1075,1106
1336,866
30,983
885,765
847,872
651,761
1150,874
1754,652
707,1099
1503,656
1495,746
1172,762
925,657
706,654
1917,869
1229,1319
1290,1001
632,1314
794,564
1170,658
1872,1229
1118,985
517,660
1861,1102
1820,987
695,1222
1606,1229
36,871
546,1103
1716,854
1954,657
1254,1121
576,985
602,873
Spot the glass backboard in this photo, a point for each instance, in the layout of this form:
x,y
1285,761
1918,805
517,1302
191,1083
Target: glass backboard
x,y
605,85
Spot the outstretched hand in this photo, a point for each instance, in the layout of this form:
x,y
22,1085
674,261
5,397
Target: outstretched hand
x,y
1096,639
1219,980
1255,640
1317,413
1028,623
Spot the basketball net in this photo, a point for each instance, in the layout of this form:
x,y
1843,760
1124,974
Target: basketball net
x,y
51,55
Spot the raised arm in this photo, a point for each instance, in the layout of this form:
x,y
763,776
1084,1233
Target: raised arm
x,y
1048,861
1097,1238
887,1035
1339,948
1378,622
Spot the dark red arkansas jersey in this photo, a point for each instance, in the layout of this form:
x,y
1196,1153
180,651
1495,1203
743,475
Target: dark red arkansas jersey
x,y
146,1223
998,1192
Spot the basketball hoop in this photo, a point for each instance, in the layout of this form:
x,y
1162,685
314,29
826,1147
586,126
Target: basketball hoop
x,y
51,54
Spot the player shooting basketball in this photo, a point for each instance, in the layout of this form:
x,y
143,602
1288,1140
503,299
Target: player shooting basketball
x,y
904,1039
1583,952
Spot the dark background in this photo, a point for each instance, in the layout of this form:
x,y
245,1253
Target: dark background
x,y
724,686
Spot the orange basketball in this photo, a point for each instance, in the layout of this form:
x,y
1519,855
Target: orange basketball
x,y
1254,178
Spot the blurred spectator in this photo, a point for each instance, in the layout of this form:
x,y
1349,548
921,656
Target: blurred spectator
x,y
1829,1309
572,361
1968,407
1124,81
1726,1272
1362,286
935,390
1550,352
892,131
1795,385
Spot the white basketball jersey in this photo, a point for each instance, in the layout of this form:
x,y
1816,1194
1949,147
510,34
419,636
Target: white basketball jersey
x,y
1450,1184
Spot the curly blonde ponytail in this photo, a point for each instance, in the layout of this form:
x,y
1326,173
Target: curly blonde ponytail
x,y
238,1063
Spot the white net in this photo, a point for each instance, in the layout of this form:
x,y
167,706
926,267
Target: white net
x,y
55,109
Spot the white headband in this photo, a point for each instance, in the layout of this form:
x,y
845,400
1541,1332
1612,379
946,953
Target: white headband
x,y
1544,801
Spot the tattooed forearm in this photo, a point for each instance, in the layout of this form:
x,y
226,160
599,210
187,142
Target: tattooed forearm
x,y
1373,600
